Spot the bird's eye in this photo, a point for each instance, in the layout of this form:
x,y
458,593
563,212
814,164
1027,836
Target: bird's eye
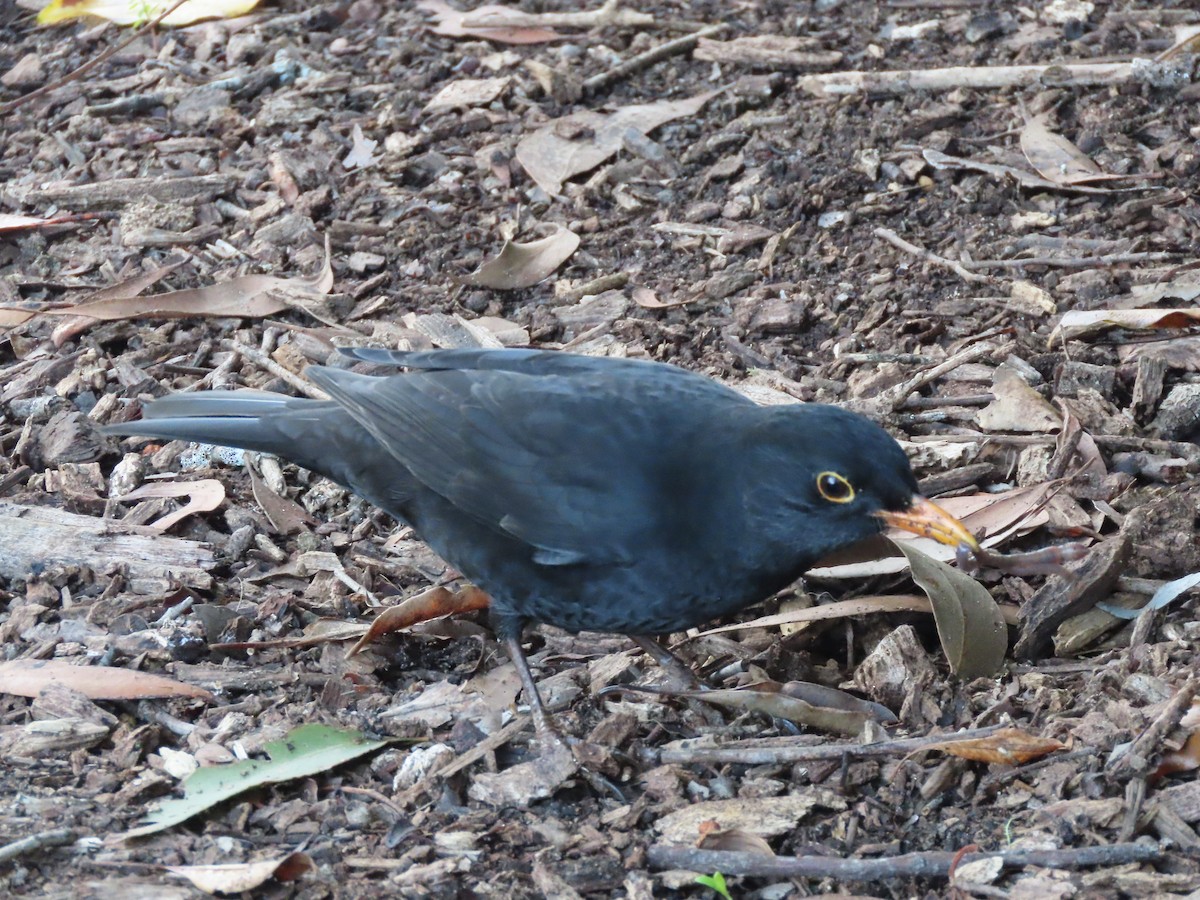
x,y
834,488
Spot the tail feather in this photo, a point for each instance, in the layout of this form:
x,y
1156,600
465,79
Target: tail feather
x,y
251,420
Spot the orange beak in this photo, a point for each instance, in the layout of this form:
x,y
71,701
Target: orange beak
x,y
929,520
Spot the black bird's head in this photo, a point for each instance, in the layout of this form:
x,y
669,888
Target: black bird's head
x,y
838,478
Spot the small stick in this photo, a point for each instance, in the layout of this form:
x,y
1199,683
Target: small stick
x,y
35,842
928,255
786,754
648,58
908,81
927,864
918,381
261,359
1071,262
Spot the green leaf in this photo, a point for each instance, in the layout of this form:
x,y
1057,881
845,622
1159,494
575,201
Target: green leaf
x,y
716,882
305,751
970,625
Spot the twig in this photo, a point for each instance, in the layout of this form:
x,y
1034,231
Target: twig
x,y
648,58
928,864
1137,755
610,14
35,842
928,255
976,351
907,81
791,752
8,107
261,359
1071,262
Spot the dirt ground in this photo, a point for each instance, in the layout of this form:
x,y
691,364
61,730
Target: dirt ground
x,y
837,247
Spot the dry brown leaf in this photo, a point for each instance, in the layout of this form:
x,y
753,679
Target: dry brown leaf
x,y
1086,322
524,265
467,92
1185,759
970,625
1055,158
1017,406
648,299
285,515
735,840
450,23
204,495
430,604
550,159
1007,747
28,677
235,878
940,160
247,296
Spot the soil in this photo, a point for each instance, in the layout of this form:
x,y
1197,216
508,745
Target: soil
x,y
752,240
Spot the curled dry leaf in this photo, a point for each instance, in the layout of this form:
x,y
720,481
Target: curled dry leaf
x,y
430,604
29,677
1185,759
1007,747
736,840
450,23
203,496
648,299
970,625
138,12
524,265
550,158
238,877
1087,322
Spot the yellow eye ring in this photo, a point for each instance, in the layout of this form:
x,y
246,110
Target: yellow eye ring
x,y
834,488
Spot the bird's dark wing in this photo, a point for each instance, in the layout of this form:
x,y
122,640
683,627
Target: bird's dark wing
x,y
522,361
571,465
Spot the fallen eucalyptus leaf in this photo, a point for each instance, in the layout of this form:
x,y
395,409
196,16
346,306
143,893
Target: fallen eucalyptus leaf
x,y
524,265
970,625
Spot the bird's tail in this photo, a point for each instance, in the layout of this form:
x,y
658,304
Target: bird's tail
x,y
298,429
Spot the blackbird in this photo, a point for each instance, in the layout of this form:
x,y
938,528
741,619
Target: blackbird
x,y
589,493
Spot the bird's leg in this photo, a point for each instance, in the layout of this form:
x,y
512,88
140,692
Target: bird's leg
x,y
675,667
541,719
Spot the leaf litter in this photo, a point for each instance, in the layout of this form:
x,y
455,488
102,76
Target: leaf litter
x,y
831,313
